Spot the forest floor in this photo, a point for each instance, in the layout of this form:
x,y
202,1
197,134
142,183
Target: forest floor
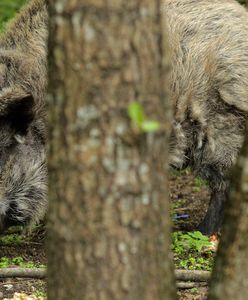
x,y
189,201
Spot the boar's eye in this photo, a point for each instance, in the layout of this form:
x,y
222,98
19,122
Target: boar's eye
x,y
20,138
16,110
20,114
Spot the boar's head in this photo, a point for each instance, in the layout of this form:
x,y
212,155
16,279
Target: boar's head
x,y
23,80
22,141
22,159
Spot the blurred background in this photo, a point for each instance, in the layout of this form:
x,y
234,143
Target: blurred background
x,y
8,8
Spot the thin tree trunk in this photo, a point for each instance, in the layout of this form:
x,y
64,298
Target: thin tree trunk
x,y
230,274
109,212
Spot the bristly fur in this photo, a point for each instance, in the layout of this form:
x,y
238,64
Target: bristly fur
x,y
23,80
24,44
209,87
209,90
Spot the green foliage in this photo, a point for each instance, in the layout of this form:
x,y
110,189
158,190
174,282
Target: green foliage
x,y
40,294
8,9
6,262
193,291
11,239
188,247
195,263
193,241
137,115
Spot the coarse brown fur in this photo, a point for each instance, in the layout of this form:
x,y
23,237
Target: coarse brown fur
x,y
209,90
23,79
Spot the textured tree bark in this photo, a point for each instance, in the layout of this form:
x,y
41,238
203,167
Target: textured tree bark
x,y
230,273
109,212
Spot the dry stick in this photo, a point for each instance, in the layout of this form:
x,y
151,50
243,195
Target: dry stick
x,y
194,275
36,273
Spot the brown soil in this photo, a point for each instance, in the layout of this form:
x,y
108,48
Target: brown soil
x,y
197,294
30,252
186,200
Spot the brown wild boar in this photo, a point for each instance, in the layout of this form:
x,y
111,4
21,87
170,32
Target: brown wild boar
x,y
23,80
209,91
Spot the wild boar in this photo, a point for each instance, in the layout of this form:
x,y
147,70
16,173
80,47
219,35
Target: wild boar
x,y
209,91
23,79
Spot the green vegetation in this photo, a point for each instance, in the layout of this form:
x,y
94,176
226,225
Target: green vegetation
x,y
8,9
18,261
193,291
11,239
190,241
40,294
191,251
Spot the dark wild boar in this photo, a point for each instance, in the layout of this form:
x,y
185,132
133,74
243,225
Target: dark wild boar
x,y
209,90
22,132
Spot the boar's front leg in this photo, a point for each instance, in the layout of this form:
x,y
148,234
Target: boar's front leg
x,y
215,213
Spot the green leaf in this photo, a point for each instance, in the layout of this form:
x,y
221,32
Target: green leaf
x,y
150,126
198,235
136,113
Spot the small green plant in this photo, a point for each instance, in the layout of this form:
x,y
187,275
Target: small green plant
x,y
40,294
18,260
191,241
11,239
188,251
194,263
137,115
193,291
6,262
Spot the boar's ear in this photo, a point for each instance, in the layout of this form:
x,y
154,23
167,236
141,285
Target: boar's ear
x,y
16,109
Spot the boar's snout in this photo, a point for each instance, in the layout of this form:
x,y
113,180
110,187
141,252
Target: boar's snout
x,y
12,217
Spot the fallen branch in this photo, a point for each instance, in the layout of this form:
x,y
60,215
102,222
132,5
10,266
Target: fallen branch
x,y
36,273
194,275
190,285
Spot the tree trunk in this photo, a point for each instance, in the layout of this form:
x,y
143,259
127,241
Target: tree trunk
x,y
230,274
109,211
